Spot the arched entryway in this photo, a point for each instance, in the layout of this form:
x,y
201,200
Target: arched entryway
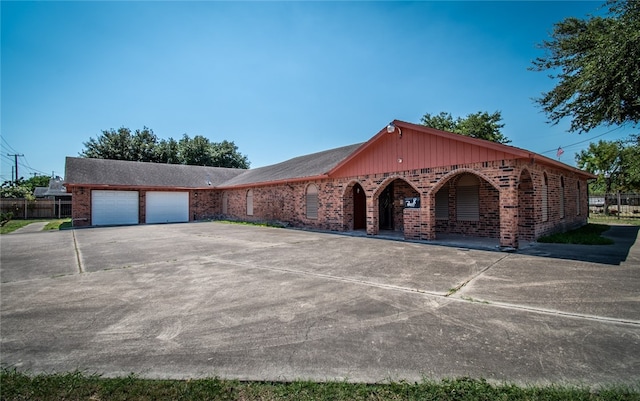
x,y
390,204
354,201
526,212
359,207
466,204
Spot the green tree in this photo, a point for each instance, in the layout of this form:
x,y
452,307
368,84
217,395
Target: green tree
x,y
12,190
481,125
630,158
144,146
226,154
167,152
597,65
604,160
36,181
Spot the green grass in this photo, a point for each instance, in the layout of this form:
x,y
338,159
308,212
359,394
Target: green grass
x,y
77,386
602,219
589,234
253,223
13,225
60,224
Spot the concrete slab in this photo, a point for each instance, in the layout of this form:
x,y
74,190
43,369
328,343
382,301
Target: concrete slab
x,y
34,255
207,299
30,228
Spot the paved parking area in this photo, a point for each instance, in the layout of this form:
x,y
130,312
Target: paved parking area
x,y
213,299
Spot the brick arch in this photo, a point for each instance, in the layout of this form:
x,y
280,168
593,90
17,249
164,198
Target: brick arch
x,y
526,206
392,216
460,218
350,186
354,207
452,175
389,180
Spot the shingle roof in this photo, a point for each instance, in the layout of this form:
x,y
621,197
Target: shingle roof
x,y
85,171
311,165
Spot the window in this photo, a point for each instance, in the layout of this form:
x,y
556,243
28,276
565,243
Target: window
x,y
545,198
468,198
225,202
578,200
312,201
562,197
250,202
442,203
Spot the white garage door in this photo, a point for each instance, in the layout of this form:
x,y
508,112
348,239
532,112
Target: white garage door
x,y
167,207
114,207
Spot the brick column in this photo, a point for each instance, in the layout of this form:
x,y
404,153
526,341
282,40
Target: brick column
x,y
372,215
412,226
509,217
427,217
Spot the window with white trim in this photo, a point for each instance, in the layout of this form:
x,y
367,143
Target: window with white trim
x,y
468,198
312,201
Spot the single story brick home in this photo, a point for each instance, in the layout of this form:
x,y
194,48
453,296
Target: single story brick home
x,y
417,181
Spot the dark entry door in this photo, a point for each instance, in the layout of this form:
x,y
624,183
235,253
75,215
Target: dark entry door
x,y
385,208
359,208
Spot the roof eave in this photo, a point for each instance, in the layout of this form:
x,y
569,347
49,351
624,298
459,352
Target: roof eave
x,y
283,181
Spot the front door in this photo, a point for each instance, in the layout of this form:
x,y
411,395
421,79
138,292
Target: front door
x,y
359,208
385,208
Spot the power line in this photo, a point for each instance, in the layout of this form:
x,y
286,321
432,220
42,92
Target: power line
x,y
7,144
586,140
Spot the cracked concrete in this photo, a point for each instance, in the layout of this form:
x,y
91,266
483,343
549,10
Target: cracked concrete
x,y
212,299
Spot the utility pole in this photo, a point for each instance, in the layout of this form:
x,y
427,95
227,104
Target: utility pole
x,y
15,158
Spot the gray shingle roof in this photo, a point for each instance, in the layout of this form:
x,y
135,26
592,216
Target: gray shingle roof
x,y
81,171
303,166
85,171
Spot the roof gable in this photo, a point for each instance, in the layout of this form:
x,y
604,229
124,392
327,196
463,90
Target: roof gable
x,y
420,147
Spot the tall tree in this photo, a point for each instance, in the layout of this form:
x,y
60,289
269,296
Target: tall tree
x,y
604,160
144,146
597,65
481,125
121,145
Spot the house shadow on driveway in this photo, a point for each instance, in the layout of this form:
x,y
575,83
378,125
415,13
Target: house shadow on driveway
x,y
621,251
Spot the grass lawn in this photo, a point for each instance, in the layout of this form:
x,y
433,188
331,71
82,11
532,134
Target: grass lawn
x,y
602,219
77,386
13,225
585,235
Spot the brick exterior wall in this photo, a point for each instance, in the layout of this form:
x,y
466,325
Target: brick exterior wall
x,y
510,205
510,202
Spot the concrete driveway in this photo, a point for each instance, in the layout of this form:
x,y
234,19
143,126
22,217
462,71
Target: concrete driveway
x,y
214,299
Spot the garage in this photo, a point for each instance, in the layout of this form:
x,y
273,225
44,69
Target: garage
x,y
114,207
167,207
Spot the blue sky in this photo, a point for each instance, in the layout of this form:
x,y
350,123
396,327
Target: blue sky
x,y
280,79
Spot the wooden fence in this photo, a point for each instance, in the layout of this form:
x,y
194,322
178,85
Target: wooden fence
x,y
37,209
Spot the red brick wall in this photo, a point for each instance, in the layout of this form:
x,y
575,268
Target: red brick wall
x,y
203,204
500,209
81,207
502,213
